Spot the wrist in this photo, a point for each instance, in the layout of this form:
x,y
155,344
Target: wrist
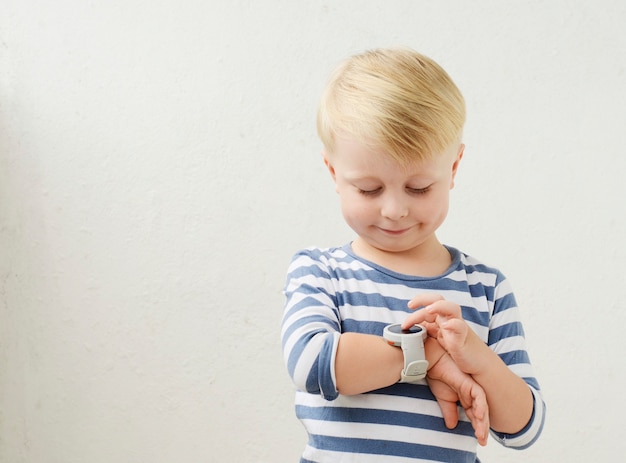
x,y
411,342
434,351
474,357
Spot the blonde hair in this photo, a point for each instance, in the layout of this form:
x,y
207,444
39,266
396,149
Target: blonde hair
x,y
396,99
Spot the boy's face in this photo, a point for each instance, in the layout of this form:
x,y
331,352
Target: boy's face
x,y
393,208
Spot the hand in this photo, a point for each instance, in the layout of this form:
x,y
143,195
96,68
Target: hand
x,y
449,385
510,399
444,321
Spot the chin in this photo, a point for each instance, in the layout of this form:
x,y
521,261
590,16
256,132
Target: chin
x,y
391,247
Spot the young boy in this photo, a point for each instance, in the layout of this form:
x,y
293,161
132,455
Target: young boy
x,y
391,123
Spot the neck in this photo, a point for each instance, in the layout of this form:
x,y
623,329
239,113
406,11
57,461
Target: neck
x,y
426,260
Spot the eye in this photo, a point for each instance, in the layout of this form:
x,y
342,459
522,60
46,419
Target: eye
x,y
418,191
373,192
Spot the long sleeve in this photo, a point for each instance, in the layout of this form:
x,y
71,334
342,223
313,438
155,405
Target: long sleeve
x,y
506,338
310,327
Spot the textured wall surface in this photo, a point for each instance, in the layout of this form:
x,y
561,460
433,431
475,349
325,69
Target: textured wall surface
x,y
159,166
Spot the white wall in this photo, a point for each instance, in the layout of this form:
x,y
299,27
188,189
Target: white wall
x,y
159,166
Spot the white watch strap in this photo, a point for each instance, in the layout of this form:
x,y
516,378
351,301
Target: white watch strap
x,y
415,365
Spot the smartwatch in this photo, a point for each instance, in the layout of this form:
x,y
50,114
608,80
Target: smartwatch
x,y
411,342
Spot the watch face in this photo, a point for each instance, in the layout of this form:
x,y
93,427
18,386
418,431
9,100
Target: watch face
x,y
397,329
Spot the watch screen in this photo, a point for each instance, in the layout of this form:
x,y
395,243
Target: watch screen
x,y
398,329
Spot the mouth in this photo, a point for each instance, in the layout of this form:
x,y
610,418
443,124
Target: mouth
x,y
397,232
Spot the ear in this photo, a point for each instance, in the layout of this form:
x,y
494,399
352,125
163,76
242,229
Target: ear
x,y
455,165
329,166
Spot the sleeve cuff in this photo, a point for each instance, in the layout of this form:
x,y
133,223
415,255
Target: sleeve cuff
x,y
531,432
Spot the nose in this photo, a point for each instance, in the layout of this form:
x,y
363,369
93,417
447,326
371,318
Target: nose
x,y
394,207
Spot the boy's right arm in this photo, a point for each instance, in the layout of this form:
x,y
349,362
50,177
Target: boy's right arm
x,y
320,357
366,362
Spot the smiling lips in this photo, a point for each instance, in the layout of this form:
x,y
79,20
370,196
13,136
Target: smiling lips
x,y
394,232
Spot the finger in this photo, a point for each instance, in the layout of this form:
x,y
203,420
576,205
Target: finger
x,y
473,397
425,315
453,327
474,401
439,310
444,309
481,427
431,328
421,317
450,413
479,405
481,431
480,413
424,299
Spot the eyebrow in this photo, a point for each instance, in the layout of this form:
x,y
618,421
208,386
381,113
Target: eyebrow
x,y
357,177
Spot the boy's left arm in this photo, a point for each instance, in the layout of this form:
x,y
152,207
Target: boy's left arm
x,y
509,398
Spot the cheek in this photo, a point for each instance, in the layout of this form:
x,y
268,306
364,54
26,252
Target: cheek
x,y
435,209
354,209
441,207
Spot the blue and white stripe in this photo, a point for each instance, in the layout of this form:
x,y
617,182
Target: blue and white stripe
x,y
330,291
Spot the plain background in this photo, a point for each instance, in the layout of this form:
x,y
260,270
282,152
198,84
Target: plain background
x,y
159,166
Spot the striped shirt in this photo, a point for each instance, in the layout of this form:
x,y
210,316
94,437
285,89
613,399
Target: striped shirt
x,y
331,291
